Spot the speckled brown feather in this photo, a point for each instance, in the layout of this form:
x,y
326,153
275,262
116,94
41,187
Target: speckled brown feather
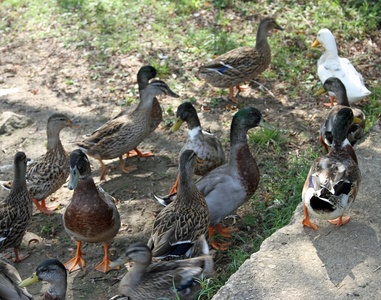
x,y
247,169
16,210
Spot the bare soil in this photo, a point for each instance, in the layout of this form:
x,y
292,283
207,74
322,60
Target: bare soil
x,y
50,78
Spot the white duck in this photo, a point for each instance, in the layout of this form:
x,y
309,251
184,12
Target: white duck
x,y
331,65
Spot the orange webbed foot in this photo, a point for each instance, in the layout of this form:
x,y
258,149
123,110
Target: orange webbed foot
x,y
339,221
18,257
306,219
104,265
225,232
77,261
47,210
136,152
124,168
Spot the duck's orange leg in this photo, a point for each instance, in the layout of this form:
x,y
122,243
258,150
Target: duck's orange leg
x,y
104,265
136,152
103,169
226,232
174,188
306,219
339,221
214,244
47,210
77,261
332,102
19,258
323,143
124,168
231,94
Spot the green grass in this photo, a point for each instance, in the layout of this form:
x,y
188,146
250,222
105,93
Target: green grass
x,y
198,31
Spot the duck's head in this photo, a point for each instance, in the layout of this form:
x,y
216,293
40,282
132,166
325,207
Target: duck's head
x,y
341,122
57,122
52,271
138,253
79,167
157,88
144,75
269,24
334,85
250,117
185,111
325,38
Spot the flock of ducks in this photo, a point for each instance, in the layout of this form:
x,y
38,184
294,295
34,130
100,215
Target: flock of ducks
x,y
194,209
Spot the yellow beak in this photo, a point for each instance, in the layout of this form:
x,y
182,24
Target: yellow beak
x,y
29,281
315,43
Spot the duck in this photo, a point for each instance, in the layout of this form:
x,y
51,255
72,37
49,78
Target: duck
x,y
125,133
53,272
16,210
331,65
145,74
91,215
9,281
230,185
206,145
179,225
174,279
47,173
240,64
355,131
333,180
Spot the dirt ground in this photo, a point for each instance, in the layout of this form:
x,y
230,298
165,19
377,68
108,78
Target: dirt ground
x,y
38,75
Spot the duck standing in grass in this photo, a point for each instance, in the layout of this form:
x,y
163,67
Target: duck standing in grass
x,y
331,65
207,147
178,226
53,272
125,133
91,215
240,64
16,210
229,186
333,180
9,280
355,131
164,279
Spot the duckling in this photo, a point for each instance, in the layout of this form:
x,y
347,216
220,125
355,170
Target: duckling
x,y
178,226
355,131
207,147
164,279
125,133
241,64
333,180
91,215
53,272
331,65
49,172
9,280
16,210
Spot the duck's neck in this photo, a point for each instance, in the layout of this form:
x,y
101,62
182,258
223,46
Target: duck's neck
x,y
194,133
261,43
146,100
135,276
331,50
54,139
342,98
18,183
57,289
186,184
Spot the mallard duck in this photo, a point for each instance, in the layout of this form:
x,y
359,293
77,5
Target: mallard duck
x,y
240,64
229,186
125,133
178,226
333,180
9,280
16,210
144,75
355,131
164,279
91,215
53,272
331,65
207,147
49,172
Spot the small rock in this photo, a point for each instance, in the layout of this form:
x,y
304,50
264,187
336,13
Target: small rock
x,y
10,121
